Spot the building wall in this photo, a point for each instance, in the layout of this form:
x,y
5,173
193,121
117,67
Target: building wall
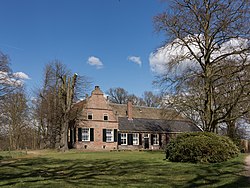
x,y
146,142
97,105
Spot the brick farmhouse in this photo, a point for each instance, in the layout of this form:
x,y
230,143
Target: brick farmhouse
x,y
102,125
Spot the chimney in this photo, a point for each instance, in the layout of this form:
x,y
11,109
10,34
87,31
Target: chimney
x,y
129,110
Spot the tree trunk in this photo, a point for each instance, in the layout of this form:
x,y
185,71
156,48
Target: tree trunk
x,y
231,130
64,137
208,102
66,98
10,138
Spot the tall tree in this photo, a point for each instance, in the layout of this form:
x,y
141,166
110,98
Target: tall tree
x,y
54,104
151,100
121,96
118,95
138,101
208,57
66,96
14,113
8,81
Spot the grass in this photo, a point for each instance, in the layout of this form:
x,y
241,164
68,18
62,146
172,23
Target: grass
x,y
116,169
11,154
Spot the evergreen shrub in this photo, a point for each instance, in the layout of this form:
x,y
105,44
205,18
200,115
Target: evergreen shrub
x,y
202,147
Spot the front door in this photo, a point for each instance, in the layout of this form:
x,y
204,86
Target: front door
x,y
146,143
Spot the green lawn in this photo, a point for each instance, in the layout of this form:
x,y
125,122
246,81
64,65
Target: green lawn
x,y
117,169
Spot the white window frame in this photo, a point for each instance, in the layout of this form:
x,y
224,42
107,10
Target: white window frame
x,y
104,116
135,138
155,139
89,113
85,134
109,135
124,137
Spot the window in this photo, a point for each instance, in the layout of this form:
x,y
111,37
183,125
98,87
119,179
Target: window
x,y
85,134
105,117
90,116
135,139
109,135
155,139
123,138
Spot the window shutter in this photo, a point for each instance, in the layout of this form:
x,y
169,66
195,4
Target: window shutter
x,y
92,134
151,139
160,143
79,134
140,139
119,138
130,139
74,135
104,135
71,136
115,135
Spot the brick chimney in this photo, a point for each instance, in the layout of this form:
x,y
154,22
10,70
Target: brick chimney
x,y
129,110
97,91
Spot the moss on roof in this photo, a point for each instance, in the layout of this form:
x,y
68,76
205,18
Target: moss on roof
x,y
146,112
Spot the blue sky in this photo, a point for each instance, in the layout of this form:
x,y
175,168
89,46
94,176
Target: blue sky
x,y
116,36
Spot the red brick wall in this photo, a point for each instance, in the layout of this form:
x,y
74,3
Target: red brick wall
x,y
129,110
98,106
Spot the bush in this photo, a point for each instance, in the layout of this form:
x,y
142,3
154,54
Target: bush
x,y
201,147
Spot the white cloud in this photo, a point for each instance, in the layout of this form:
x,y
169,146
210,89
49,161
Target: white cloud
x,y
160,61
7,80
17,79
21,75
94,61
3,75
135,59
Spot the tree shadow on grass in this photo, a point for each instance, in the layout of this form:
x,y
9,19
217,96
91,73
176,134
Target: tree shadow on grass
x,y
52,172
223,175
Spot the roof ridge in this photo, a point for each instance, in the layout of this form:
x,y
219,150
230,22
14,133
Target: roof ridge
x,y
183,120
117,104
135,106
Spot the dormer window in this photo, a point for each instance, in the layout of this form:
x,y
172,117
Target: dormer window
x,y
105,117
90,116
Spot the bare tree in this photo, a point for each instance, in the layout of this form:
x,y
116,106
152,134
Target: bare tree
x,y
121,96
138,101
48,112
13,106
54,104
15,115
118,95
152,100
8,81
205,76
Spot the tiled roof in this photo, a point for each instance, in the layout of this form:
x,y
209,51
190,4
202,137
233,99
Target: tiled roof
x,y
146,119
145,112
155,125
